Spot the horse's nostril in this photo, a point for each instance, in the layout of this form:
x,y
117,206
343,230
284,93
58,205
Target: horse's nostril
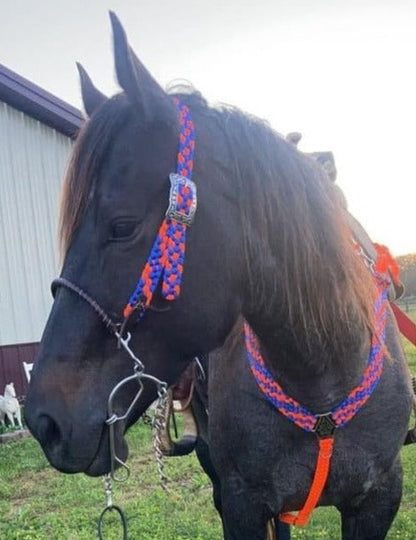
x,y
48,430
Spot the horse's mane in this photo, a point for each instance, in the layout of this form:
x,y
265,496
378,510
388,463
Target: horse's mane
x,y
298,246
297,240
294,227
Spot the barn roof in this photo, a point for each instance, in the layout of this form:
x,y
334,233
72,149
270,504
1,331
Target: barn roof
x,y
38,103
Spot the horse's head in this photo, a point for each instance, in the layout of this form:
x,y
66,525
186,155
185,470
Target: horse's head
x,y
9,390
115,198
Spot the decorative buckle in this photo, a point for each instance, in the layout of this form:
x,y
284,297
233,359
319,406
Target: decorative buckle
x,y
325,425
182,199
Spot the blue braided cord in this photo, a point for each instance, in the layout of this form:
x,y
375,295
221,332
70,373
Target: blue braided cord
x,y
169,288
268,386
376,347
341,415
289,407
154,258
185,148
185,153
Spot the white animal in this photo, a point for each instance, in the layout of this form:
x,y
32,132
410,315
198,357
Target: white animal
x,y
10,407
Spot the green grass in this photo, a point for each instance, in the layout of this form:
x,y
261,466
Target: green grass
x,y
410,349
37,502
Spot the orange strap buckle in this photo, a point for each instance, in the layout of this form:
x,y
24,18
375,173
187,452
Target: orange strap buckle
x,y
317,487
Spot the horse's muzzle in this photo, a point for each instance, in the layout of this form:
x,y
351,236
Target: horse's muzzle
x,y
80,445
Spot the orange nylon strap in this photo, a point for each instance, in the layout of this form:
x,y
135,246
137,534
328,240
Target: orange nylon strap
x,y
317,487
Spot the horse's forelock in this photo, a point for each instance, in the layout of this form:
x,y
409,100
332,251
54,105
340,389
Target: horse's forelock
x,y
87,155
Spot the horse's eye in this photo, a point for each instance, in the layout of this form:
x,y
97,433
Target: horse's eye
x,y
122,230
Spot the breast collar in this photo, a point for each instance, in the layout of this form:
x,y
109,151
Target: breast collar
x,y
322,425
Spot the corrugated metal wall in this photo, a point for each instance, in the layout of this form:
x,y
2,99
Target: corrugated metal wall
x,y
33,158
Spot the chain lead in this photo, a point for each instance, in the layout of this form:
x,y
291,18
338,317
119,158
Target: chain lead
x,y
108,488
159,425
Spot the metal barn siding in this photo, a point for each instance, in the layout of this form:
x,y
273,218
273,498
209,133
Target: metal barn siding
x,y
33,158
36,129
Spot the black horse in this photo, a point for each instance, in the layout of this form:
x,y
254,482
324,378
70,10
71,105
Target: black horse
x,y
269,244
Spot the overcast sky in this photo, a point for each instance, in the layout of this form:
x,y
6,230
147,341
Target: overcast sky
x,y
342,72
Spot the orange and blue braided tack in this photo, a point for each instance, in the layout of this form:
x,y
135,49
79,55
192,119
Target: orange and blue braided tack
x,y
167,255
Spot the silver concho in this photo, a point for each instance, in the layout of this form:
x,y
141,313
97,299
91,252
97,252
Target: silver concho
x,y
177,180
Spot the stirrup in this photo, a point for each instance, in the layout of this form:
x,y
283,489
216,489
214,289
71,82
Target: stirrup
x,y
187,443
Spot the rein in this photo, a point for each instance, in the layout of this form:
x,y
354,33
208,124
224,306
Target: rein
x,y
164,262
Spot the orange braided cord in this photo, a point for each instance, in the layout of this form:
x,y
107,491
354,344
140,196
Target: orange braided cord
x,y
317,487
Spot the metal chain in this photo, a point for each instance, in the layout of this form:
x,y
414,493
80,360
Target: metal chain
x,y
368,261
146,419
108,488
159,426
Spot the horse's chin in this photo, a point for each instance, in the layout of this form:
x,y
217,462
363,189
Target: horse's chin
x,y
101,463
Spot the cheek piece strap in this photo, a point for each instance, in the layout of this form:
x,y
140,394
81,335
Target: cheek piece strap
x,y
167,255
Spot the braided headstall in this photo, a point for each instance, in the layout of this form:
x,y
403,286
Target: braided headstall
x,y
168,252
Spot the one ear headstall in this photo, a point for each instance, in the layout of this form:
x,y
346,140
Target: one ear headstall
x,y
167,255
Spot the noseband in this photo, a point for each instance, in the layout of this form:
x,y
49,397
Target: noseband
x,y
165,263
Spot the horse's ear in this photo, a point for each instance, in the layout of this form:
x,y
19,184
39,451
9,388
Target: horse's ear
x,y
140,87
92,98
